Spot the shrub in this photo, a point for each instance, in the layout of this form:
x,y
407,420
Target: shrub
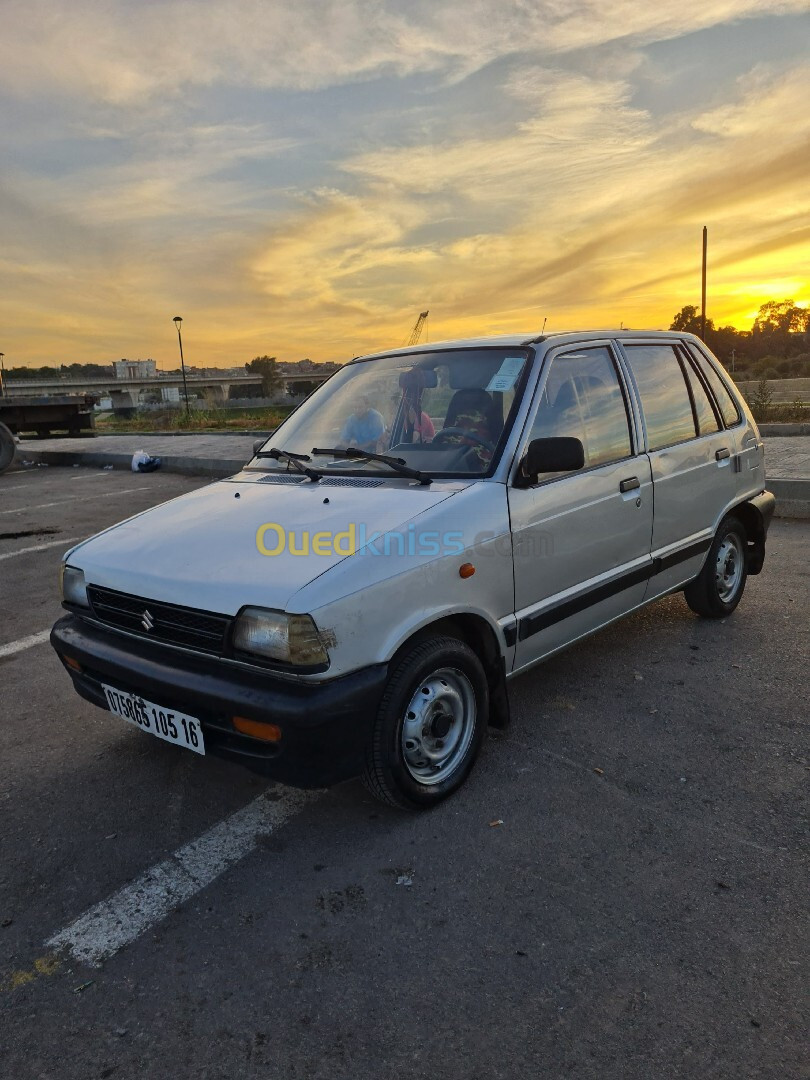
x,y
760,400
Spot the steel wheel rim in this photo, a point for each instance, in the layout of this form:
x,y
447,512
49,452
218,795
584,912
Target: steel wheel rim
x,y
438,726
728,568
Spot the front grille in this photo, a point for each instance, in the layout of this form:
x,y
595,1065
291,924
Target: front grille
x,y
156,621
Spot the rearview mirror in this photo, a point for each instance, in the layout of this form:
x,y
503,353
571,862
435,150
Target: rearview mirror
x,y
550,456
418,378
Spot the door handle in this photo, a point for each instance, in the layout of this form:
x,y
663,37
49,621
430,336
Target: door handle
x,y
721,455
630,484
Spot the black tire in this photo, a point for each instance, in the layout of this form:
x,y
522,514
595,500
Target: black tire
x,y
7,448
451,678
719,586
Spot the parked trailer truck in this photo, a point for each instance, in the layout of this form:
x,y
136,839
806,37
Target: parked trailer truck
x,y
70,413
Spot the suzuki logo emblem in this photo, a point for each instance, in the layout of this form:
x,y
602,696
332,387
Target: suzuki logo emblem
x,y
147,622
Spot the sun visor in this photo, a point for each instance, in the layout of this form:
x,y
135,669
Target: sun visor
x,y
474,372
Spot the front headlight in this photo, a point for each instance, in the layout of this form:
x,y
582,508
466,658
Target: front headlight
x,y
73,586
274,635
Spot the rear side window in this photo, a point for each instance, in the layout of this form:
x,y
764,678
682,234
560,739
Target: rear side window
x,y
583,399
704,410
728,407
664,395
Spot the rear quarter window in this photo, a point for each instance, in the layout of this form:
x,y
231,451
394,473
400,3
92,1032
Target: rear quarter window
x,y
726,403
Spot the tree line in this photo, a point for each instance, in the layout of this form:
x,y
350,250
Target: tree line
x,y
776,347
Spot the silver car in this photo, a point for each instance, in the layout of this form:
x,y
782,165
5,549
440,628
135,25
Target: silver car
x,y
429,524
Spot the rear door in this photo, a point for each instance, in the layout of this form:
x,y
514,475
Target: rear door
x,y
750,460
581,540
691,456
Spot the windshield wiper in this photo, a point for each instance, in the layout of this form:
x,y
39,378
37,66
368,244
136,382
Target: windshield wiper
x,y
395,463
294,460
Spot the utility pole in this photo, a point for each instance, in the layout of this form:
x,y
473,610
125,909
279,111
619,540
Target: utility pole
x,y
177,320
703,287
2,375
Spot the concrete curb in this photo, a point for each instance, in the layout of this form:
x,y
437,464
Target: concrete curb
x,y
191,466
779,431
174,434
792,497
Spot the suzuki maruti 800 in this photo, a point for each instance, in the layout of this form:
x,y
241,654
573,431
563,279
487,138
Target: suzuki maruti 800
x,y
428,524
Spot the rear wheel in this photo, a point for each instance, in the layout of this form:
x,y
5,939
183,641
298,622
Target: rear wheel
x,y
719,586
429,726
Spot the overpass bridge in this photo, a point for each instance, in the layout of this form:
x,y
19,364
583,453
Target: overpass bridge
x,y
126,393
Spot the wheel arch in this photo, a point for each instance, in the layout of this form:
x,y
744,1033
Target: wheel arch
x,y
755,516
475,631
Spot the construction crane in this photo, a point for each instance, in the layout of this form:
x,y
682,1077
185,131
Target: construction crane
x,y
416,333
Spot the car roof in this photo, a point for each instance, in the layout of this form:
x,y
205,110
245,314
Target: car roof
x,y
522,340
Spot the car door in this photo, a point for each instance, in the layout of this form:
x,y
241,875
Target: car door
x,y
691,456
581,540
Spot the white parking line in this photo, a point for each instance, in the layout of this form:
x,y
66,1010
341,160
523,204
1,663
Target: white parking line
x,y
123,917
61,502
41,547
9,478
24,643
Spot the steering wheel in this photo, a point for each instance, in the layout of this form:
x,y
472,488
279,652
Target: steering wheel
x,y
438,437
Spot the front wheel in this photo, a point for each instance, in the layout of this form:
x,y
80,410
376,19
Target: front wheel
x,y
719,586
430,725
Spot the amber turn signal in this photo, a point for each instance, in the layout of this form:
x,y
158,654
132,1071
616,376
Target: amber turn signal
x,y
466,570
74,665
257,728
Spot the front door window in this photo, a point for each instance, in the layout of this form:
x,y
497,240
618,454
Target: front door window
x,y
583,399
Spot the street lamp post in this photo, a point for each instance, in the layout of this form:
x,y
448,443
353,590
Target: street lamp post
x,y
2,375
177,320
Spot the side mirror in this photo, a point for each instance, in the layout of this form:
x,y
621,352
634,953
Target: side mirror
x,y
257,445
550,456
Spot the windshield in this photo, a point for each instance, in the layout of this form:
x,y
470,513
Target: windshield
x,y
444,413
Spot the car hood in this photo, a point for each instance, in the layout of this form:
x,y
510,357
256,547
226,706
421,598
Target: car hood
x,y
200,550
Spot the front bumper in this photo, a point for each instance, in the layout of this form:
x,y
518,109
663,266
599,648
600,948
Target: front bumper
x,y
325,726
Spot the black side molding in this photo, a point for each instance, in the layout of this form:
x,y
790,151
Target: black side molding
x,y
533,624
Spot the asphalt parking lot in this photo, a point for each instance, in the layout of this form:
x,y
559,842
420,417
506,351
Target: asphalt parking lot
x,y
620,890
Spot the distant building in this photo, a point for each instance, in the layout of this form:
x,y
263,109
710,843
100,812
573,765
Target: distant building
x,y
134,369
300,367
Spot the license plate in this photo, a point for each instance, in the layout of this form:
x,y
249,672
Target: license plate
x,y
174,727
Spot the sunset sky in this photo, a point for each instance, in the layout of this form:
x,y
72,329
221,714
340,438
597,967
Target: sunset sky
x,y
303,179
